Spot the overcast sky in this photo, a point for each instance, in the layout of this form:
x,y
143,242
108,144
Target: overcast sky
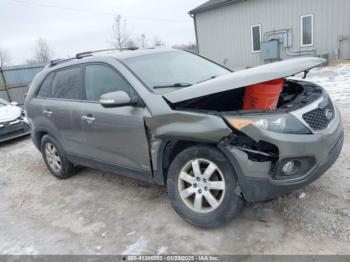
x,y
69,31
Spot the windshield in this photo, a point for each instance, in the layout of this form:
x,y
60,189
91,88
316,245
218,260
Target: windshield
x,y
3,103
168,71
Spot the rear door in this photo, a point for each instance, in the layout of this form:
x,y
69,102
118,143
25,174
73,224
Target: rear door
x,y
115,136
61,95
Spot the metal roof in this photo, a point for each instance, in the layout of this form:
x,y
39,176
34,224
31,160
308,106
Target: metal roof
x,y
211,4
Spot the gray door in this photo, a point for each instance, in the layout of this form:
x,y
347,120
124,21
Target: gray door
x,y
61,95
114,135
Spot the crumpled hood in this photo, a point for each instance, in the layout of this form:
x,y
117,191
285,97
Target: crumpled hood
x,y
9,113
245,77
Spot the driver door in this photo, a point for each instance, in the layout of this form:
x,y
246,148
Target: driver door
x,y
116,137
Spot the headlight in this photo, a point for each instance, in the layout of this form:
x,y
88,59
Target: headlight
x,y
278,123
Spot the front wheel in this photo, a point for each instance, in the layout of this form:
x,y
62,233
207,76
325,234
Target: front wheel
x,y
202,187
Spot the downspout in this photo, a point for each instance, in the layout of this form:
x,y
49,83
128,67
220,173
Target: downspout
x,y
195,30
341,39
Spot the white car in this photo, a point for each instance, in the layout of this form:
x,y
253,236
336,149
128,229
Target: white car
x,y
13,122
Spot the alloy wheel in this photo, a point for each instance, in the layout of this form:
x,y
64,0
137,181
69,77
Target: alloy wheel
x,y
201,185
52,157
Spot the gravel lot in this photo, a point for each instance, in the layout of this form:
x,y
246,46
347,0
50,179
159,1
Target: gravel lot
x,y
100,213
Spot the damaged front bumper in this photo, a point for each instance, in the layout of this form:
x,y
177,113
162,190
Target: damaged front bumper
x,y
262,180
13,129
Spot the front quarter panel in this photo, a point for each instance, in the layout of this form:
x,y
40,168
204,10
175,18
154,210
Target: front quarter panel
x,y
188,126
167,125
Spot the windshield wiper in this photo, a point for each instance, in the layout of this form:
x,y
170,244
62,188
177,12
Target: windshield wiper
x,y
206,79
173,85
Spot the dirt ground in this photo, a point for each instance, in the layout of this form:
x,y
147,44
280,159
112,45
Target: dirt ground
x,y
100,213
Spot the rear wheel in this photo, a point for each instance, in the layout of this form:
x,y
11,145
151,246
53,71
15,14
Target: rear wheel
x,y
202,187
55,159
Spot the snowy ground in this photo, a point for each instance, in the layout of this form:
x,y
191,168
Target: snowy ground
x,y
335,79
100,213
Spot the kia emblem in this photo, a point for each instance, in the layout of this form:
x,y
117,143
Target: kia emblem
x,y
328,113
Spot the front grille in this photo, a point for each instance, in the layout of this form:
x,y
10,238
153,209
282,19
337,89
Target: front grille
x,y
320,118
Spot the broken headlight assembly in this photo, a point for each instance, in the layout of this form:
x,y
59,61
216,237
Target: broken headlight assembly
x,y
278,123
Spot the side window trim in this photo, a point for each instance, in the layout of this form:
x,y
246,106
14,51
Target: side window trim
x,y
302,30
252,38
131,92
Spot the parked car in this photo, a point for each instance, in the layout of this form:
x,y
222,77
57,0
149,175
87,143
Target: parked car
x,y
13,122
175,118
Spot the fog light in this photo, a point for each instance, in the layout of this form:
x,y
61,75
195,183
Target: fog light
x,y
287,169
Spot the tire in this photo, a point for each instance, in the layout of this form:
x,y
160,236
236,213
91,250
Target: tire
x,y
201,213
56,155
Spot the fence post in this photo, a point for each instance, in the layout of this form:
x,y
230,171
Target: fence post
x,y
5,85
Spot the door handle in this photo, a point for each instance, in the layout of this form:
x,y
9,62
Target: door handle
x,y
88,119
48,112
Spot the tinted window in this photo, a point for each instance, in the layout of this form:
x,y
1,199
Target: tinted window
x,y
100,79
67,84
169,68
45,89
256,38
307,24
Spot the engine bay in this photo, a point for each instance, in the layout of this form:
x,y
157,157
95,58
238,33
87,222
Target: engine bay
x,y
295,94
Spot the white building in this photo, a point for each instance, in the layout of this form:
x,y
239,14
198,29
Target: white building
x,y
245,33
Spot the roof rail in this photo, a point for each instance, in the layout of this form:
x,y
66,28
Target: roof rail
x,y
59,61
89,53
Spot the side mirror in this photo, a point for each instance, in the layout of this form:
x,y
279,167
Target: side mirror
x,y
14,104
118,99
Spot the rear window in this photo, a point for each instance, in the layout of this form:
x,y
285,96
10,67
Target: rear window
x,y
67,84
46,88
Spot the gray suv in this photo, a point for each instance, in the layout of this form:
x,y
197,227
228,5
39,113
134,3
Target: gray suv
x,y
174,118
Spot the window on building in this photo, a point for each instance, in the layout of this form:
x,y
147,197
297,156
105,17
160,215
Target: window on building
x,y
307,30
100,79
67,84
256,38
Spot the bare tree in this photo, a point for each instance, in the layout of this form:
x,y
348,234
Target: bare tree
x,y
42,52
157,42
120,35
142,41
4,57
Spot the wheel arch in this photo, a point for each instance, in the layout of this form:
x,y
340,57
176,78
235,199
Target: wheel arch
x,y
37,137
168,150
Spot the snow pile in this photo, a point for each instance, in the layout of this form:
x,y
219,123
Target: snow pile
x,y
336,80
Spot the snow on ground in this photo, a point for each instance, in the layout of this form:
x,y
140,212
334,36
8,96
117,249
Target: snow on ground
x,y
336,80
137,248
